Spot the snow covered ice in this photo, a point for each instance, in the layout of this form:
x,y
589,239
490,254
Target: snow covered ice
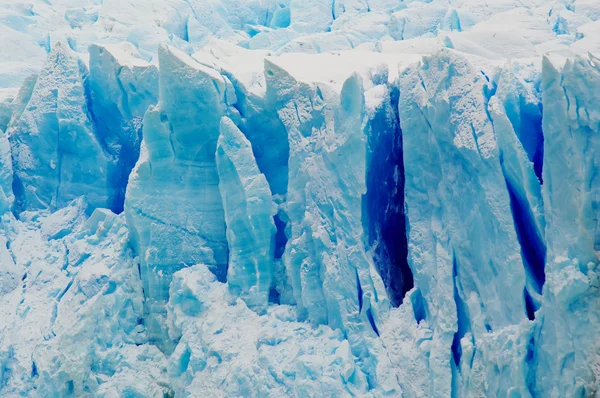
x,y
300,198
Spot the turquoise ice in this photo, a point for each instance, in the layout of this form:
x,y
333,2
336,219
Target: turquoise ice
x,y
299,198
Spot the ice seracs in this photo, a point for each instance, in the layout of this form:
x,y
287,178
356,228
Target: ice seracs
x,y
461,229
333,278
571,194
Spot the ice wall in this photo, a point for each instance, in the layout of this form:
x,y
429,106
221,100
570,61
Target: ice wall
x,y
348,198
333,278
461,231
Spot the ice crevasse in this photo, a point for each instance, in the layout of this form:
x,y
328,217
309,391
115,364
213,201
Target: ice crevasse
x,y
301,199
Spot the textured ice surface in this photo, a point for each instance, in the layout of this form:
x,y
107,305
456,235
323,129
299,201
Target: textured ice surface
x,y
271,355
571,204
457,203
299,198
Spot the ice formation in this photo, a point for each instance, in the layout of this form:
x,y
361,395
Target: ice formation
x,y
249,211
300,198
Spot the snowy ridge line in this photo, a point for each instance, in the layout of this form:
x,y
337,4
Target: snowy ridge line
x,y
32,28
283,214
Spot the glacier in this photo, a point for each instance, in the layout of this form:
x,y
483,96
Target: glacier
x,y
300,198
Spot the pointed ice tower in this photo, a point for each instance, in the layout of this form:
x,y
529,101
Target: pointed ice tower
x,y
56,154
249,211
173,205
571,307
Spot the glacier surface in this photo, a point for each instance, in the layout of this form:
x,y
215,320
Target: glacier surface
x,y
319,198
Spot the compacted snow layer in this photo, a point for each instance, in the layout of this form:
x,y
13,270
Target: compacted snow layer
x,y
299,198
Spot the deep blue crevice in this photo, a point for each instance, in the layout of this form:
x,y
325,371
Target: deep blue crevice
x,y
360,292
333,10
186,33
372,321
19,192
119,139
384,218
64,291
530,362
530,305
526,119
462,317
533,248
70,385
369,311
418,304
280,236
274,296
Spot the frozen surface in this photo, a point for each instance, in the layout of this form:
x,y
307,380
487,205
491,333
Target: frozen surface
x,y
299,198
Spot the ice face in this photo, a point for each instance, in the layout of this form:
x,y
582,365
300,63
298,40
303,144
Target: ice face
x,y
122,87
177,170
333,280
451,221
348,198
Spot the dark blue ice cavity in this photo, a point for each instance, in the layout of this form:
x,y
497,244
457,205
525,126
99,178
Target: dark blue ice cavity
x,y
383,216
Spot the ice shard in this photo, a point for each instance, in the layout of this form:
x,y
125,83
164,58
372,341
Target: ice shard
x,y
249,211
